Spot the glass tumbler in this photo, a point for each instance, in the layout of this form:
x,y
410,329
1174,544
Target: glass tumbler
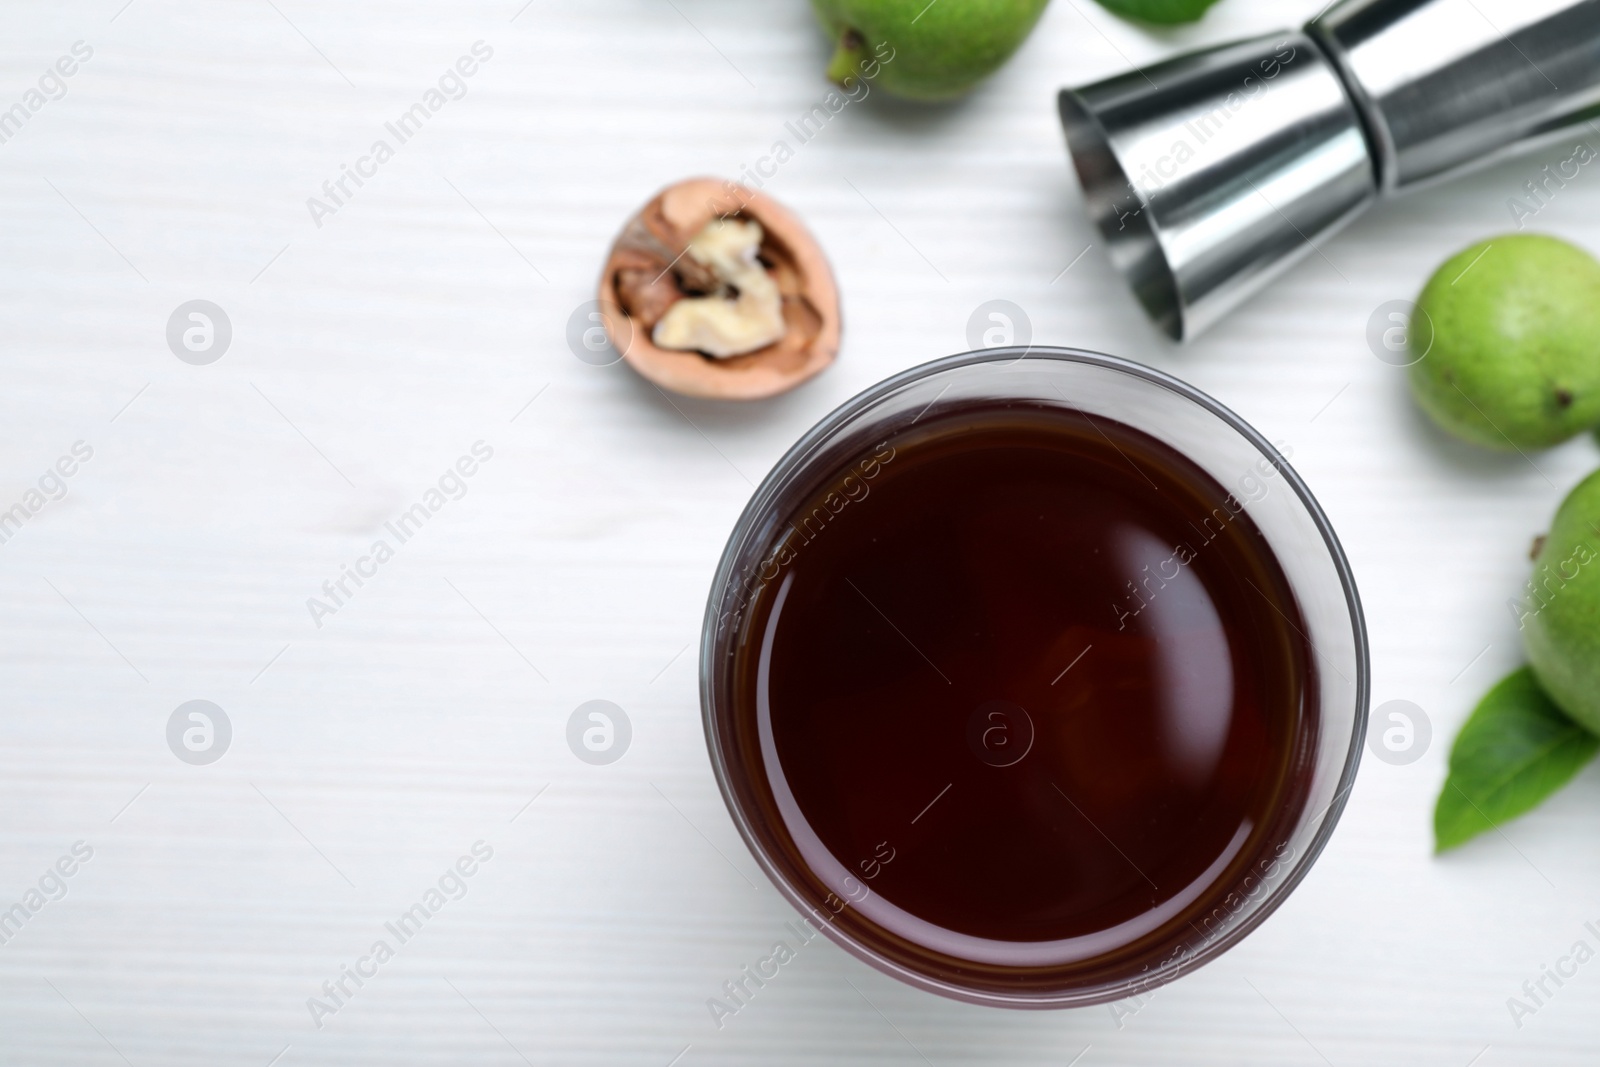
x,y
834,897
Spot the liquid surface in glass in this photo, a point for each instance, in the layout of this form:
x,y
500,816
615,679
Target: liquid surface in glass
x,y
1026,687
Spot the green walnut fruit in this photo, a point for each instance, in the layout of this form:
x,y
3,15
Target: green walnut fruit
x,y
1560,609
1515,359
1166,12
921,50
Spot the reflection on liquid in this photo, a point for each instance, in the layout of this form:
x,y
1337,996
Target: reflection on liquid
x,y
1193,663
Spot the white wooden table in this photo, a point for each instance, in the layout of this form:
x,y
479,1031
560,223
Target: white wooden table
x,y
428,313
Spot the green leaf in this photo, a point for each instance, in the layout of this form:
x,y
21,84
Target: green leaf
x,y
1166,12
1514,751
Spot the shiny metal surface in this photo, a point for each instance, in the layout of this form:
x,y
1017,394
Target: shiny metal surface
x,y
1451,84
1211,173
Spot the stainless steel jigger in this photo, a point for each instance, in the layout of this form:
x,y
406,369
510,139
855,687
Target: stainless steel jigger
x,y
1211,173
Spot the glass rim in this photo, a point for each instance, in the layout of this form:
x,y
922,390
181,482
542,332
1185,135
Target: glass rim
x,y
794,461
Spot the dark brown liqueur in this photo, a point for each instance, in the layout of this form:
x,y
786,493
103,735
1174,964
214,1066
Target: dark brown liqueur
x,y
1022,697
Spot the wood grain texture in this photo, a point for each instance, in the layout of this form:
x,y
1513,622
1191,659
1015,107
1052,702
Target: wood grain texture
x,y
429,312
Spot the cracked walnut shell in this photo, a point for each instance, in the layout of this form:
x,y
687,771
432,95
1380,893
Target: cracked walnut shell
x,y
649,271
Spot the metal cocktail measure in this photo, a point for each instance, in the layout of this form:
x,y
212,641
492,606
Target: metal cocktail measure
x,y
1209,174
